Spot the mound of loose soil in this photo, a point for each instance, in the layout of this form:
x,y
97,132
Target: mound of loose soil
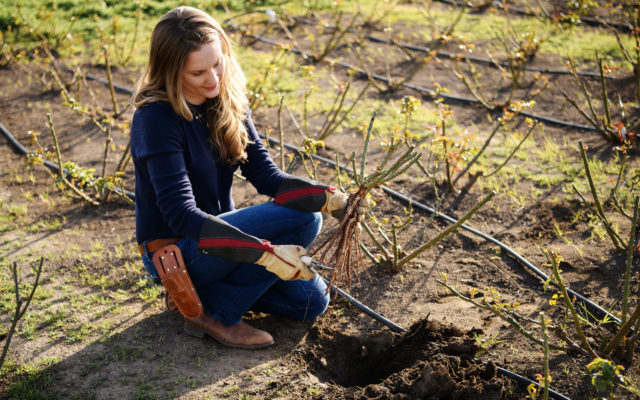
x,y
431,360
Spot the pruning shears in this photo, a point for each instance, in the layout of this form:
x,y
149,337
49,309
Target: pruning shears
x,y
311,263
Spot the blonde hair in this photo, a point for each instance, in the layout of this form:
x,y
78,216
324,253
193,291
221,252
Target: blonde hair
x,y
178,33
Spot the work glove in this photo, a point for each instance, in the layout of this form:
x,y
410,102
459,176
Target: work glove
x,y
285,262
336,205
305,195
218,238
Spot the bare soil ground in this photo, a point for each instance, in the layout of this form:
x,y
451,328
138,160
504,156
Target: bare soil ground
x,y
119,343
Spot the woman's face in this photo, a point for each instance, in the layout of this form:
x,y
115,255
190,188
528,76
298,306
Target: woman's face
x,y
202,73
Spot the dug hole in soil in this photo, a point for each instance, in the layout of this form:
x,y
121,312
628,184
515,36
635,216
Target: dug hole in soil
x,y
429,361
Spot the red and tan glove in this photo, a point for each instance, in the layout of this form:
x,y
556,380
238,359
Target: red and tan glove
x,y
285,262
305,195
335,203
218,238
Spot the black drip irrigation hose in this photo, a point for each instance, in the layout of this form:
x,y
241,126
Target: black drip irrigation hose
x,y
453,56
422,90
23,150
119,88
588,303
398,329
389,324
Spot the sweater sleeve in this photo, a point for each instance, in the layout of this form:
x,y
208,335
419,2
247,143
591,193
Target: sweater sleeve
x,y
158,143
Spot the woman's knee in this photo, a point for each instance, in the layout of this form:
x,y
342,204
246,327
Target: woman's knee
x,y
319,300
311,225
317,307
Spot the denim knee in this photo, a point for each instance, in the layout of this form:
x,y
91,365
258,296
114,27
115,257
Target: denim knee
x,y
317,307
312,224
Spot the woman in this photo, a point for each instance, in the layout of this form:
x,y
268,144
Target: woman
x,y
190,132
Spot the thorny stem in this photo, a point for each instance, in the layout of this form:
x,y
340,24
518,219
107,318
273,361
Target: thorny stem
x,y
396,250
305,119
375,241
627,272
545,337
595,212
366,146
112,91
134,40
19,311
292,117
472,89
333,112
621,210
446,158
54,72
515,150
335,38
444,233
621,173
281,131
63,178
602,127
596,199
107,143
124,160
398,167
382,233
475,158
623,331
512,321
567,301
603,86
367,252
334,125
592,120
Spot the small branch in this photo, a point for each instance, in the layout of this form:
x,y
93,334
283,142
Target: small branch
x,y
20,309
281,131
478,154
627,272
624,329
366,146
63,178
567,301
545,337
444,233
596,199
112,91
526,136
512,321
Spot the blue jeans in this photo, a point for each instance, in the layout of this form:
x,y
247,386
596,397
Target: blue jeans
x,y
228,289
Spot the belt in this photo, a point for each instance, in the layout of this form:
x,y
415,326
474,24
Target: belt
x,y
155,245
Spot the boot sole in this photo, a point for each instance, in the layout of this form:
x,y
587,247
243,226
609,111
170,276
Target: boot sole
x,y
199,333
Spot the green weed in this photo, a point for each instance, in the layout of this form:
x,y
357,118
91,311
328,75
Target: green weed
x,y
31,380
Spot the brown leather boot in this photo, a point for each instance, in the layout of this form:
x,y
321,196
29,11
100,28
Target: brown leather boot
x,y
240,335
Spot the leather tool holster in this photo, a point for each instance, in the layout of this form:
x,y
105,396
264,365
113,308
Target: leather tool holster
x,y
175,278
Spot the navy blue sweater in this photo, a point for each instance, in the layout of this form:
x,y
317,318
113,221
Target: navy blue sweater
x,y
178,179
